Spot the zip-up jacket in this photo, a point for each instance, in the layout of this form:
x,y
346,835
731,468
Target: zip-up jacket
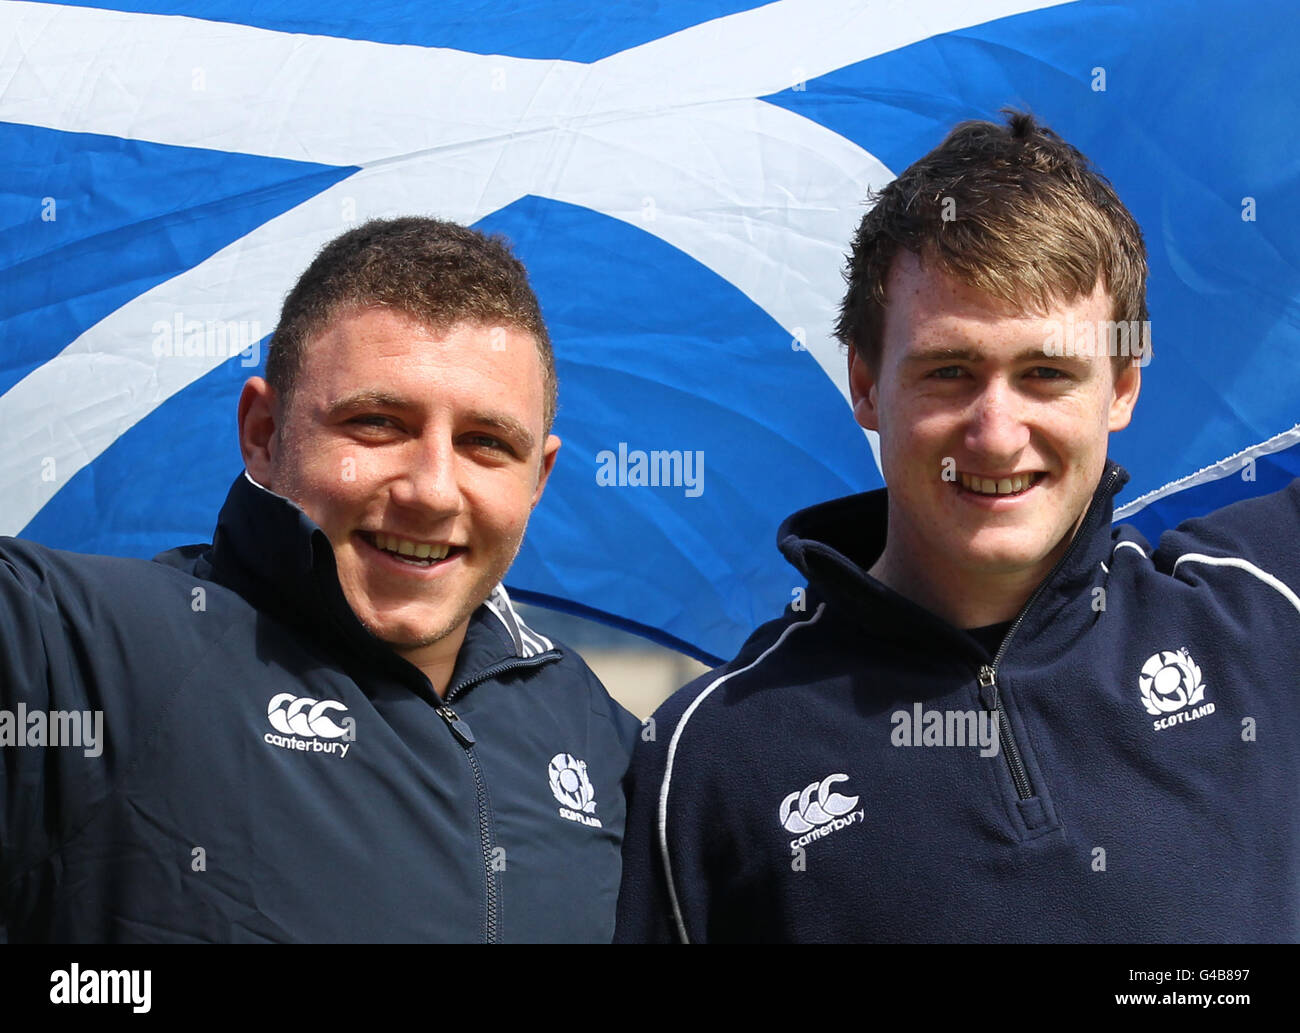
x,y
267,770
1123,766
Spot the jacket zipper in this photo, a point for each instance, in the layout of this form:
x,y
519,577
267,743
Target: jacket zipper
x,y
499,668
988,672
464,736
988,681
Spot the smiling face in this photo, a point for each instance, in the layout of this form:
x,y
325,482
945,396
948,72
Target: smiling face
x,y
990,448
420,454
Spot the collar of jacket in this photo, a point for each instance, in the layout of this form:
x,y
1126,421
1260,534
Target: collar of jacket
x,y
274,555
835,543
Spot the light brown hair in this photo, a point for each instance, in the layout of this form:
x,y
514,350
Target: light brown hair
x,y
1011,210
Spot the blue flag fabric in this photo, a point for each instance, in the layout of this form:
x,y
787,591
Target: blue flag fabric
x,y
681,182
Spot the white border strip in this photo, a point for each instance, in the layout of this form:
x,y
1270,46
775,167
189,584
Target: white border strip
x,y
508,619
1223,468
1128,545
672,751
1246,565
1124,544
528,642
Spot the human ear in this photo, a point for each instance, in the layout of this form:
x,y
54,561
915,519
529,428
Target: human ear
x,y
549,451
1128,385
258,416
862,391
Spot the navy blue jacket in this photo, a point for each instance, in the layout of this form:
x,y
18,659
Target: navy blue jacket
x,y
1146,784
269,771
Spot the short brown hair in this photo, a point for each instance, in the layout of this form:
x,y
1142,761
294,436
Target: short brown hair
x,y
438,273
1013,211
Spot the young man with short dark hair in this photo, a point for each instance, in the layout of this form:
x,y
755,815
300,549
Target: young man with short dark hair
x,y
330,724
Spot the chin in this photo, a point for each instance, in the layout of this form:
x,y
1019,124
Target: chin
x,y
408,634
1004,559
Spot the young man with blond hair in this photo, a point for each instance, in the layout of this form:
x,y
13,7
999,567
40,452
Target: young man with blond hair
x,y
993,716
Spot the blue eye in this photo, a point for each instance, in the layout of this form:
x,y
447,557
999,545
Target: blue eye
x,y
947,373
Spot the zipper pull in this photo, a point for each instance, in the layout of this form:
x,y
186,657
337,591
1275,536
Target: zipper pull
x,y
988,687
458,727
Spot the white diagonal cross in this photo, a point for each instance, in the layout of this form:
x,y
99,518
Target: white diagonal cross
x,y
667,136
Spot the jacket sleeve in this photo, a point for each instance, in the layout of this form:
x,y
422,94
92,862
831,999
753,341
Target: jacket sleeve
x,y
24,689
1263,532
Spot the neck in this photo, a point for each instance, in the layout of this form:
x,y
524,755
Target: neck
x,y
963,596
437,660
965,599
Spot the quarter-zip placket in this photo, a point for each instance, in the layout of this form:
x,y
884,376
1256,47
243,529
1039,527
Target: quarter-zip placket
x,y
989,695
465,736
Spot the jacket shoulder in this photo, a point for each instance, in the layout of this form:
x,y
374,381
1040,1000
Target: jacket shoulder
x,y
1258,535
573,670
771,658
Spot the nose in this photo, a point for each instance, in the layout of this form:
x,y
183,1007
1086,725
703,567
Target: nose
x,y
995,428
430,480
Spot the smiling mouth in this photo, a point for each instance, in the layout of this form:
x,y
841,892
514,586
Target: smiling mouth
x,y
407,550
1001,486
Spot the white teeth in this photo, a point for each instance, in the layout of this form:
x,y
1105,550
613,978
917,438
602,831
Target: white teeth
x,y
1005,486
406,547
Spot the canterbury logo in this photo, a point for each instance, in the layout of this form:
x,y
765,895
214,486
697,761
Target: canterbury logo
x,y
302,715
816,805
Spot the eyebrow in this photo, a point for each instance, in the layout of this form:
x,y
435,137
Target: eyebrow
x,y
505,424
366,400
928,355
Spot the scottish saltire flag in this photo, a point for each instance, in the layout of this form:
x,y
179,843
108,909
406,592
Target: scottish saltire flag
x,y
681,178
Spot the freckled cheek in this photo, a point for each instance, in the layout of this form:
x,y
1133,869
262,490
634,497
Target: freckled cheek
x,y
1077,437
919,446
